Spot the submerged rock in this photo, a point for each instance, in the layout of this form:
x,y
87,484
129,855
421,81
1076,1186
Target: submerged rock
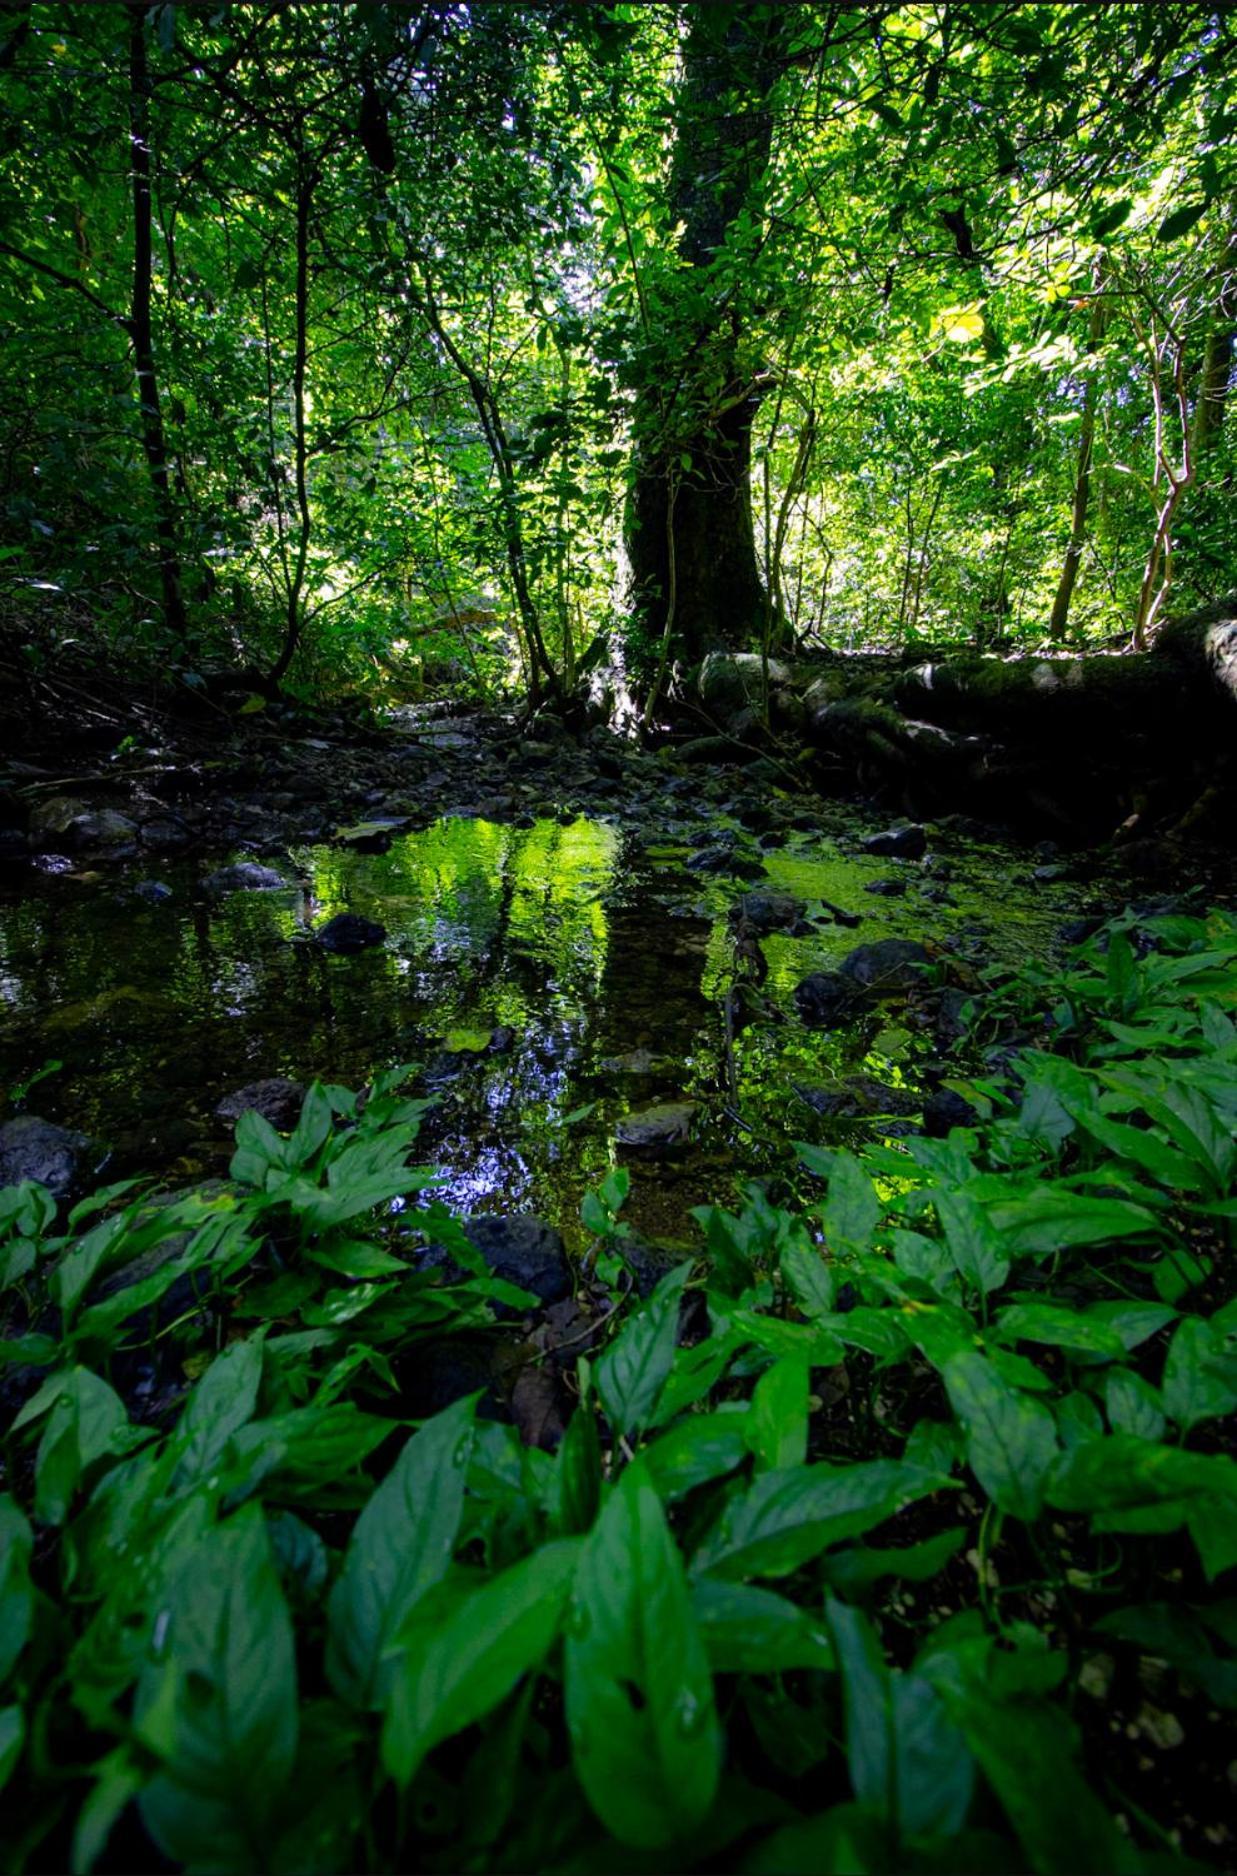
x,y
101,827
277,1099
887,888
636,1062
945,1110
348,932
154,891
858,1097
651,1128
56,1157
828,1000
888,967
245,876
899,843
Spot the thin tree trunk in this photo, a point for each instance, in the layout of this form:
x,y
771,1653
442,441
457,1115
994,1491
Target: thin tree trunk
x,y
154,441
1212,400
1082,478
295,576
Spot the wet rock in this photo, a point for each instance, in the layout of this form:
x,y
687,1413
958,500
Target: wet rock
x,y
764,912
828,1000
245,876
348,932
949,1025
651,1129
890,966
898,843
729,681
52,864
858,1097
434,1375
56,815
635,1063
152,890
887,888
56,1157
277,1099
719,860
946,1109
101,827
524,1250
648,1262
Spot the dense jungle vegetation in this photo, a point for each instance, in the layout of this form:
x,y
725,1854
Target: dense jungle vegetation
x,y
525,1343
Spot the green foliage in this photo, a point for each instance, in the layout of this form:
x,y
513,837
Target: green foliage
x,y
294,1631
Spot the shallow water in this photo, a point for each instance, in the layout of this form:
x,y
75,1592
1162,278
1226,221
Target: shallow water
x,y
583,942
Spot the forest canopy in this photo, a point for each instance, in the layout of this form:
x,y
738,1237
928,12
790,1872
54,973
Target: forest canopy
x,y
369,345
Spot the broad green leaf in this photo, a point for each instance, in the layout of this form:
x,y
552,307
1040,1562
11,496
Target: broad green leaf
x,y
907,1758
446,1680
973,1243
633,1370
12,1739
222,1401
755,1631
217,1702
783,1519
851,1209
1181,220
776,1421
1052,1219
851,1570
1058,1327
578,1469
1133,1405
401,1544
644,1734
313,1127
87,1422
698,1448
1122,1471
1200,1374
808,1276
16,1589
1011,1440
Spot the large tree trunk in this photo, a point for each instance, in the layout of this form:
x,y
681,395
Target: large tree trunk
x,y
689,521
141,332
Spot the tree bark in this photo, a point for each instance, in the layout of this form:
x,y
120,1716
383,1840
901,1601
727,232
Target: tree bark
x,y
1082,480
694,433
154,441
294,569
1212,400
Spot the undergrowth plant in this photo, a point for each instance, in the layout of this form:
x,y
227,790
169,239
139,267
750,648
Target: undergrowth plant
x,y
851,1511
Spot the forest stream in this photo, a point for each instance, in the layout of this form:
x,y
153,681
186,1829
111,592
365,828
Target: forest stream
x,y
558,984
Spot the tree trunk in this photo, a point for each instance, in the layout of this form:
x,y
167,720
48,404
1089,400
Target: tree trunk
x,y
294,568
154,442
1082,480
1217,369
694,434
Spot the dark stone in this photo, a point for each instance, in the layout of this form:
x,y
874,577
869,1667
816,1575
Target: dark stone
x,y
948,1024
434,1375
947,1109
246,876
277,1099
899,843
55,1157
348,932
887,888
525,1251
653,1128
734,865
858,1097
648,1263
827,1000
152,890
890,966
765,912
101,827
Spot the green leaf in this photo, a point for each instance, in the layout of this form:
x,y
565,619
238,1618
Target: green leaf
x,y
1058,1327
783,1519
853,1569
12,1739
1181,220
907,1757
644,1734
401,1545
86,1423
809,1278
578,1469
776,1422
16,1589
701,1447
1133,1405
217,1703
456,1674
313,1128
755,1631
633,1370
973,1243
223,1400
851,1209
1011,1440
1200,1374
1052,1218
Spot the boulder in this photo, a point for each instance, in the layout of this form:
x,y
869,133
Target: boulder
x,y
899,843
730,681
858,1097
348,932
246,876
101,827
946,1109
652,1129
761,913
889,967
56,1157
828,1000
277,1099
523,1250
